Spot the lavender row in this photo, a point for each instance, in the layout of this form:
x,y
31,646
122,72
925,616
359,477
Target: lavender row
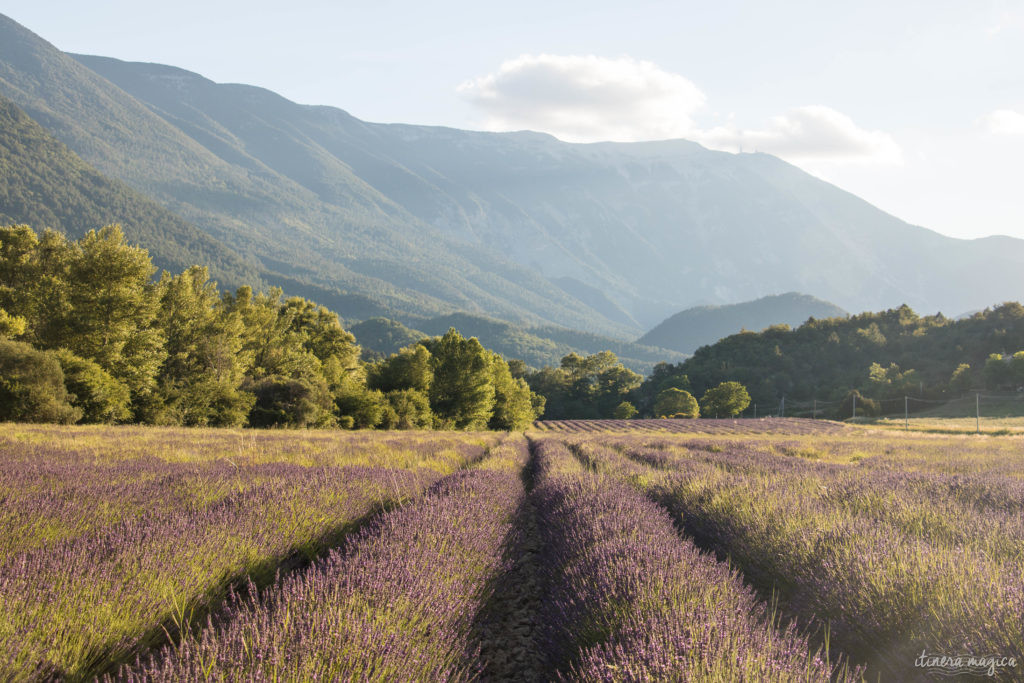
x,y
397,602
630,600
101,557
893,562
983,510
697,426
72,608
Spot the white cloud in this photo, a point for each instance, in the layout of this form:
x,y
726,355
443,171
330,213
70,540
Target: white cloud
x,y
590,98
584,99
1005,122
812,133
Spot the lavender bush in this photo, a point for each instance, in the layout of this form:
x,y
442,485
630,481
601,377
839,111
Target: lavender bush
x,y
397,602
103,556
894,562
630,600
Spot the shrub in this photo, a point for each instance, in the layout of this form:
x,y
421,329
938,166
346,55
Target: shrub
x,y
411,409
32,386
725,400
865,406
99,396
676,403
286,402
624,411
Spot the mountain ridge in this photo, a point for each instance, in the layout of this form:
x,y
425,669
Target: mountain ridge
x,y
412,222
369,247
656,225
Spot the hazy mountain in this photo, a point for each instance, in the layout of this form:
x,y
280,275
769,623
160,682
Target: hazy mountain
x,y
413,221
239,167
688,330
652,226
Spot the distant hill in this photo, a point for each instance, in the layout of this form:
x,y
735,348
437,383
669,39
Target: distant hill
x,y
540,346
888,356
381,337
46,185
688,330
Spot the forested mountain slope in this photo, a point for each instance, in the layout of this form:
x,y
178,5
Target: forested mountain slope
x,y
688,330
656,226
45,185
414,221
351,248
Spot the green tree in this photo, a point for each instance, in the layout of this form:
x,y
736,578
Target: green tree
x,y
112,310
518,368
289,402
24,279
461,393
513,405
625,411
960,380
864,406
996,371
892,382
201,377
11,325
663,376
32,386
270,344
91,389
411,409
94,297
584,386
725,400
410,368
673,402
1017,368
322,335
552,384
297,340
363,408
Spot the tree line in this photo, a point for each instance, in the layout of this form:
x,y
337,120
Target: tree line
x,y
598,386
871,356
87,334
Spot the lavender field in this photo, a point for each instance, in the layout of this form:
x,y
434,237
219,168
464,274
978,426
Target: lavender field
x,y
691,550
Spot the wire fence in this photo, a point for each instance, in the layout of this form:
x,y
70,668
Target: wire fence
x,y
975,404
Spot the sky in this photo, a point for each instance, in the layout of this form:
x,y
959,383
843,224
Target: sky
x,y
918,107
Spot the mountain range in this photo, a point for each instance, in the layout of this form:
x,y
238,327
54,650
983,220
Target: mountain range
x,y
416,222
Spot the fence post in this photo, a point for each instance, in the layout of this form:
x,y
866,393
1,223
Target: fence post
x,y
906,415
977,412
855,406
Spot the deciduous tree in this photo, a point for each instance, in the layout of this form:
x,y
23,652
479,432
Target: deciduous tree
x,y
725,400
673,402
